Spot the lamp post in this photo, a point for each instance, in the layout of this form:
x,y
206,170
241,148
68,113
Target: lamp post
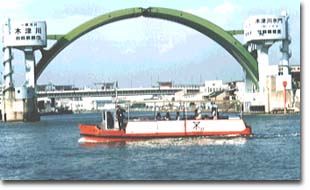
x,y
284,93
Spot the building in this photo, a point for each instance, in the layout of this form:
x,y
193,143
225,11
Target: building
x,y
165,84
52,87
212,86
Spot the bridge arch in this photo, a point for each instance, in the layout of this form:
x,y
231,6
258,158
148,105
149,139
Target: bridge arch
x,y
216,33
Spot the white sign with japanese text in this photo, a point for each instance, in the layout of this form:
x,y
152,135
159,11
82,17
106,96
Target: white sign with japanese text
x,y
23,34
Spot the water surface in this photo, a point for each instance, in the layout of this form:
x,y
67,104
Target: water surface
x,y
49,150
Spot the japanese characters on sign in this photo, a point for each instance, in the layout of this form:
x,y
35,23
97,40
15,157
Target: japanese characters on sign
x,y
23,34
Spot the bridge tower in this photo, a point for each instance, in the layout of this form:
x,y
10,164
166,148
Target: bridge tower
x,y
19,103
260,33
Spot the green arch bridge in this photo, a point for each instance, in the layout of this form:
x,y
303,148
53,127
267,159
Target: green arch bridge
x,y
216,33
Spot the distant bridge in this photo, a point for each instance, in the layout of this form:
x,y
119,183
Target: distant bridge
x,y
112,92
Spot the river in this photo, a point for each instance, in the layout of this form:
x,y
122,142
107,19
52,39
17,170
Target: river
x,y
49,150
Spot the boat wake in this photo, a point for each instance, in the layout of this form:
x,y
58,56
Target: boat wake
x,y
83,140
201,141
165,142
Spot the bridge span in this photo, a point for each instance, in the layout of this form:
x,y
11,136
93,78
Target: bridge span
x,y
112,92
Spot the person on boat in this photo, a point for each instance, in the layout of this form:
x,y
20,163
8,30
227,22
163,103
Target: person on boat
x,y
198,113
167,115
158,116
214,111
120,117
177,117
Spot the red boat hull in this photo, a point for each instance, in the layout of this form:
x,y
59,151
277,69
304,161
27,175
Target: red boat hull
x,y
93,134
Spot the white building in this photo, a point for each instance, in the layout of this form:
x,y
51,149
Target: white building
x,y
212,86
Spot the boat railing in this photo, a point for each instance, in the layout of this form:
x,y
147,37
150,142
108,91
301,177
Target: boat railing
x,y
188,109
177,110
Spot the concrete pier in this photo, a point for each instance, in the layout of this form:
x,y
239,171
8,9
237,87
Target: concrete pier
x,y
16,108
10,106
30,110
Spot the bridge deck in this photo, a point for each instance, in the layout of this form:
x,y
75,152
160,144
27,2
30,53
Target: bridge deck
x,y
109,93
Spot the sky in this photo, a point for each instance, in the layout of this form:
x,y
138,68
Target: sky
x,y
141,51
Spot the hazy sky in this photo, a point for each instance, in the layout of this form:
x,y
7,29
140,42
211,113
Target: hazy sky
x,y
140,51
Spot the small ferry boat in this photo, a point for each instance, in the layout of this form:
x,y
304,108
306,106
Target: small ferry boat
x,y
111,130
